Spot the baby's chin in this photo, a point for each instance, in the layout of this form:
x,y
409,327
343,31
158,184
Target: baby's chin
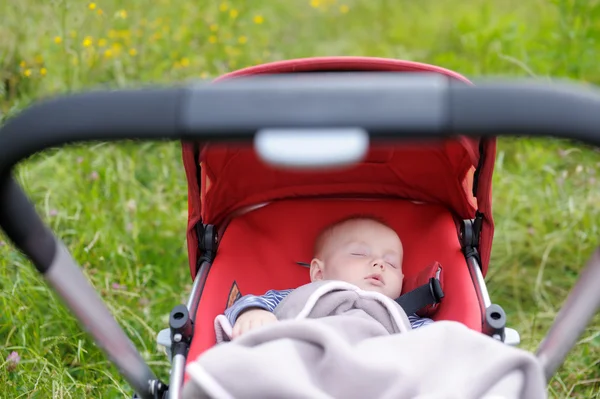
x,y
366,286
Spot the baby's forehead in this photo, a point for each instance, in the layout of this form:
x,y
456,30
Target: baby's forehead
x,y
364,226
360,230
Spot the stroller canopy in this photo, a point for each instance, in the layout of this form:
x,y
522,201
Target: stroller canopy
x,y
455,173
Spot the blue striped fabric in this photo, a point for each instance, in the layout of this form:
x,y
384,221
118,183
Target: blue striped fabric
x,y
271,299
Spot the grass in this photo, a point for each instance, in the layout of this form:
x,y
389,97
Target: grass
x,y
121,208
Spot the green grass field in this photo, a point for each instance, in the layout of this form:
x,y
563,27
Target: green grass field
x,y
122,208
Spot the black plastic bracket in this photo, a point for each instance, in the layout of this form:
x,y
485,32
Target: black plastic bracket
x,y
208,241
182,326
436,289
157,388
470,232
495,322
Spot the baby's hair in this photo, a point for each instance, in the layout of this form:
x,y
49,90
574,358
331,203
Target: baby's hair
x,y
328,230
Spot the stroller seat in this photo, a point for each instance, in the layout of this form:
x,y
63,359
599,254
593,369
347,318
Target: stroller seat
x,y
260,250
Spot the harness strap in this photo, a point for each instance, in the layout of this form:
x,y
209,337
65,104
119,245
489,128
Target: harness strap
x,y
425,295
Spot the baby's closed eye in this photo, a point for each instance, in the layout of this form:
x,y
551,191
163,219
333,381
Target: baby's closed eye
x,y
392,262
359,250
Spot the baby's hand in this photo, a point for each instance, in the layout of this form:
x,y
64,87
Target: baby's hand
x,y
251,319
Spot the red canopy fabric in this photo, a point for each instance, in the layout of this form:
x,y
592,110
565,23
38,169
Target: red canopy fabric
x,y
437,172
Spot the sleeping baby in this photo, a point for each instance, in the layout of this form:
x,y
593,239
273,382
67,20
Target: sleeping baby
x,y
359,250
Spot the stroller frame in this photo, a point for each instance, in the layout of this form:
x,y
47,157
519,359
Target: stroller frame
x,y
492,108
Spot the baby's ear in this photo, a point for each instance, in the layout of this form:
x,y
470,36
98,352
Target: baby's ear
x,y
316,269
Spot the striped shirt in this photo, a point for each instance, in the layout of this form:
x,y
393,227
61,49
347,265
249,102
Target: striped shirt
x,y
271,299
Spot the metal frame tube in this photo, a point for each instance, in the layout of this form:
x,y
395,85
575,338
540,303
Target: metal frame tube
x,y
178,361
197,288
483,297
177,374
69,282
580,307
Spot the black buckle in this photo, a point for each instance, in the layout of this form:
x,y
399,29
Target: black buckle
x,y
208,241
435,287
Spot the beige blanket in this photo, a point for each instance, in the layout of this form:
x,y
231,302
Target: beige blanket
x,y
337,341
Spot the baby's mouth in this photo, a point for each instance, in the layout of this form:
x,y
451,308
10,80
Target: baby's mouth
x,y
375,279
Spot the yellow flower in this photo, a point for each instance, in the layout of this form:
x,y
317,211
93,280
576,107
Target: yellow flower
x,y
108,53
57,39
43,71
22,64
185,62
100,12
121,14
258,19
92,6
223,7
214,27
242,39
344,9
132,52
212,39
102,42
87,42
233,13
315,3
39,59
27,72
116,47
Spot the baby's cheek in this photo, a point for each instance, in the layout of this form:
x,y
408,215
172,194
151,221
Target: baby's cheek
x,y
399,282
338,273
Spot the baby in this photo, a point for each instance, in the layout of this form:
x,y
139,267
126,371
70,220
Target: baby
x,y
358,250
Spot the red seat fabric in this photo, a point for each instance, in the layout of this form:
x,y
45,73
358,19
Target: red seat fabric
x,y
259,251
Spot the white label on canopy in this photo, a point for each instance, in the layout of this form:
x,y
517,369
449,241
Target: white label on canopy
x,y
311,148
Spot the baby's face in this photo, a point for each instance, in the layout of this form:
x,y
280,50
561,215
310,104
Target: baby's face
x,y
364,253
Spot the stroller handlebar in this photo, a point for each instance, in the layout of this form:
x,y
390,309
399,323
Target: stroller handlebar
x,y
386,105
389,105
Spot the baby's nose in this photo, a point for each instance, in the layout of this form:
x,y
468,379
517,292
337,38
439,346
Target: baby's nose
x,y
379,263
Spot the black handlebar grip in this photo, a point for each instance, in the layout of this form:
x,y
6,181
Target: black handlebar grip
x,y
23,226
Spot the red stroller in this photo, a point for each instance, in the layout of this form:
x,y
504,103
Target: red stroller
x,y
451,179
251,225
436,195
